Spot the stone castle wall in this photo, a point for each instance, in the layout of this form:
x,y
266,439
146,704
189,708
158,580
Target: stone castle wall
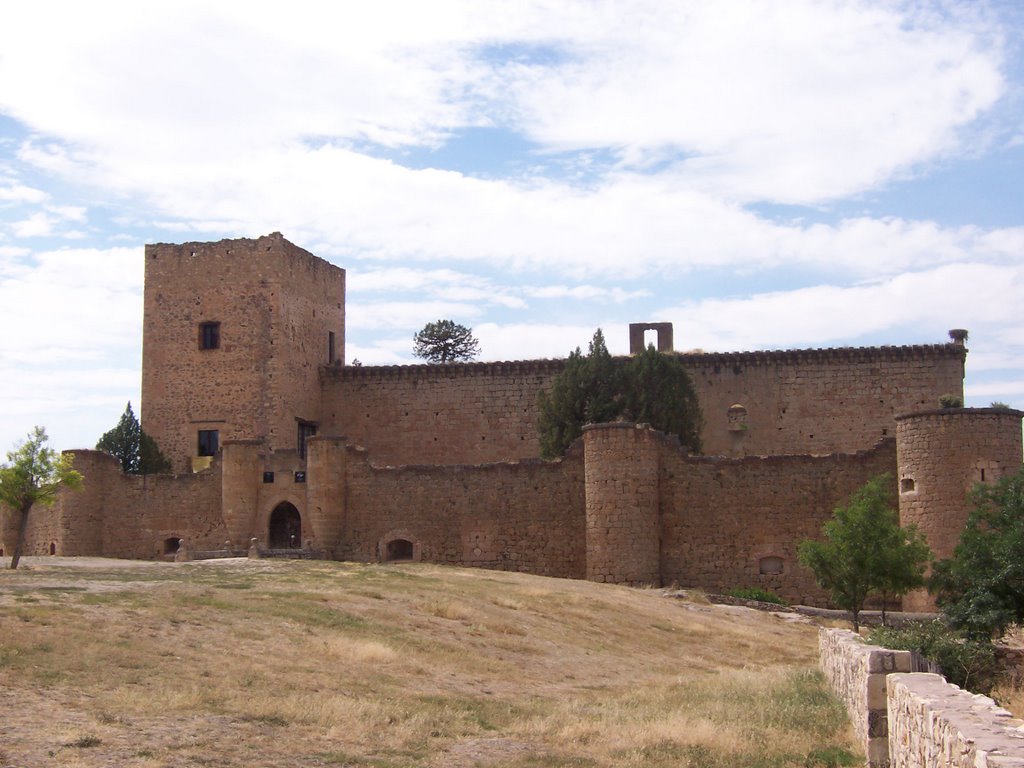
x,y
800,402
737,522
942,454
522,516
277,305
468,413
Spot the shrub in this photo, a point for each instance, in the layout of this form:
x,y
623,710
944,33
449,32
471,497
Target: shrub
x,y
756,593
951,401
971,664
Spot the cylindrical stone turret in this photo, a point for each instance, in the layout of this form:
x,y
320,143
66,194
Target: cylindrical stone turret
x,y
940,456
621,464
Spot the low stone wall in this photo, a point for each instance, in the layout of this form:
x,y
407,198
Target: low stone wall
x,y
857,673
935,724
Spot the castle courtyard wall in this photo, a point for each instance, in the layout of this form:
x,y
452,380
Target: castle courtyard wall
x,y
813,402
466,413
521,516
725,520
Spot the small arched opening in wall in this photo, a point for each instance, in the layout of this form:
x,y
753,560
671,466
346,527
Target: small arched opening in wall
x,y
53,548
398,549
907,485
736,418
771,565
398,546
171,545
284,530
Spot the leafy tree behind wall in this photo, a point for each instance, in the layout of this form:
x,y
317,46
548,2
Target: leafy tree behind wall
x,y
981,588
445,342
865,551
651,388
137,451
33,475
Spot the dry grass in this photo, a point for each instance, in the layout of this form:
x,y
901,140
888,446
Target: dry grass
x,y
275,663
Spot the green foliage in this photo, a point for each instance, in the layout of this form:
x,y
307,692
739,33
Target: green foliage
x,y
999,405
652,388
658,391
33,475
971,664
756,593
137,451
865,551
951,401
981,588
444,342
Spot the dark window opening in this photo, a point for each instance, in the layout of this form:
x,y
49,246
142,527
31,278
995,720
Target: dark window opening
x,y
53,548
285,527
208,442
209,335
398,549
268,477
983,474
330,346
306,430
171,545
300,476
906,485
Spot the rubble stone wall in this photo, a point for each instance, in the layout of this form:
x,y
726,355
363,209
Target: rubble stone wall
x,y
857,673
935,724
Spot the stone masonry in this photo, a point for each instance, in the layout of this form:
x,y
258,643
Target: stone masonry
x,y
243,359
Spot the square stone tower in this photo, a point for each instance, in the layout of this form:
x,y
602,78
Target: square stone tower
x,y
234,333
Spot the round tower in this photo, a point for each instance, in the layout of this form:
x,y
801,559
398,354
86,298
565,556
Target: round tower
x,y
621,486
940,456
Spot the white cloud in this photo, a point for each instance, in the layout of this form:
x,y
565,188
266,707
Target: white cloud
x,y
960,295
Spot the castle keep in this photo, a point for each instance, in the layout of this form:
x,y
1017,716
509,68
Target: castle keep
x,y
273,438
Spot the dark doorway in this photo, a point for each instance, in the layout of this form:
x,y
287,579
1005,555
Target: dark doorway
x,y
285,527
398,549
171,545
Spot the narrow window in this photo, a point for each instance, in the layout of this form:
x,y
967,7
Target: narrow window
x,y
906,484
268,477
208,442
306,430
330,347
209,335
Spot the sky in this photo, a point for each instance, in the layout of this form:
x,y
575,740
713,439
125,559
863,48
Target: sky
x,y
787,175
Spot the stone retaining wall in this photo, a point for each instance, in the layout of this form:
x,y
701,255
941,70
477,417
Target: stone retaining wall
x,y
857,673
915,720
935,724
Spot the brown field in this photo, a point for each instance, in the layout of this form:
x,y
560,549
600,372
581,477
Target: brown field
x,y
287,663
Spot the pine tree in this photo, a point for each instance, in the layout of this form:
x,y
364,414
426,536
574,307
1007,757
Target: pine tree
x,y
137,451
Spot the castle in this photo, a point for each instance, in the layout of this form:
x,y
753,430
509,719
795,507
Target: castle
x,y
278,446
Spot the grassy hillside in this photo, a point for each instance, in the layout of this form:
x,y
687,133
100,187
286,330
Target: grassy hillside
x,y
282,663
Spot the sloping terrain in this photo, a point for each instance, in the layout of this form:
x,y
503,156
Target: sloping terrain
x,y
289,663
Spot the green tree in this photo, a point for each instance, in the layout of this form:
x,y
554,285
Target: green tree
x,y
981,588
865,550
444,342
587,391
659,392
33,475
137,451
651,388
